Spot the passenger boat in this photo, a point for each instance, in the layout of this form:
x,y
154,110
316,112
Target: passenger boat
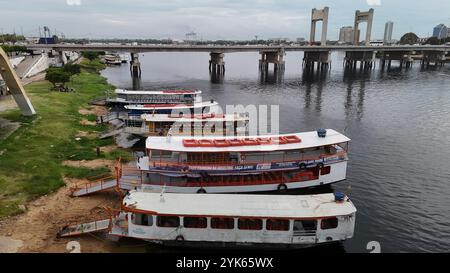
x,y
112,59
243,163
188,97
187,125
221,220
171,108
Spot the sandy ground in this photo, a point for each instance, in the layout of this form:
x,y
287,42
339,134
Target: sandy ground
x,y
36,229
93,164
94,110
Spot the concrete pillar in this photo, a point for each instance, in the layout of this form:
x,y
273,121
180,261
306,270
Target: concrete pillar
x,y
274,57
216,63
359,18
319,15
15,86
135,65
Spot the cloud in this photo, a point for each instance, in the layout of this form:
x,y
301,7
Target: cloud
x,y
374,2
73,2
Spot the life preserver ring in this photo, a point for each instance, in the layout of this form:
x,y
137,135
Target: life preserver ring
x,y
201,190
179,238
282,187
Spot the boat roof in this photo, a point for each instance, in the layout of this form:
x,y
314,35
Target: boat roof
x,y
308,140
158,92
195,118
174,106
242,205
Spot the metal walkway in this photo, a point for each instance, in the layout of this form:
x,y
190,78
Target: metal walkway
x,y
77,229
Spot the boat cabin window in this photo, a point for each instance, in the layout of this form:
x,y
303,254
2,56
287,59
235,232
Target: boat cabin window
x,y
250,224
142,219
194,222
325,170
168,221
222,223
329,223
305,225
274,224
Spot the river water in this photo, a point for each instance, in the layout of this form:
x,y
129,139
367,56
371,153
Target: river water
x,y
398,120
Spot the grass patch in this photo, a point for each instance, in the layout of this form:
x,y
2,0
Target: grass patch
x,y
30,165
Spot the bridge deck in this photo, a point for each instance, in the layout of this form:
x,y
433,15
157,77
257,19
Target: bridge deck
x,y
230,49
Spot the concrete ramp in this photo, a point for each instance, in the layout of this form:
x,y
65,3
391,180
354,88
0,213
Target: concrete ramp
x,y
90,227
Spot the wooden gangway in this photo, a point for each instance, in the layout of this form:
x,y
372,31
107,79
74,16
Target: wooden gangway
x,y
83,228
126,177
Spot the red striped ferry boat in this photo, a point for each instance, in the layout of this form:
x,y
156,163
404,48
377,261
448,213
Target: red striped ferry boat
x,y
244,164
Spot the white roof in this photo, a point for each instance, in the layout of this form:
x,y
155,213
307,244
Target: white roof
x,y
214,118
245,205
170,106
308,140
159,92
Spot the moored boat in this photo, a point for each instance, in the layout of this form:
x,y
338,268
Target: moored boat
x,y
223,220
243,163
187,125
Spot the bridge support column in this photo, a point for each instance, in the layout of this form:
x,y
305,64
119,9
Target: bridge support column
x,y
360,17
435,58
216,63
322,58
62,57
319,15
135,65
274,57
366,60
15,86
404,57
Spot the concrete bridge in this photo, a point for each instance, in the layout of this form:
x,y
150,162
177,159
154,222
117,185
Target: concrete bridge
x,y
313,54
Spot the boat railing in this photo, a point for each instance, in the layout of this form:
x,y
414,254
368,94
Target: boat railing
x,y
322,158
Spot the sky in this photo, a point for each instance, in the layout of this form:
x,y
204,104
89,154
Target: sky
x,y
218,19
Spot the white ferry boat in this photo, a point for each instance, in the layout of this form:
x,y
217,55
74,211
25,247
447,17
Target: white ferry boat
x,y
170,108
244,164
188,97
223,220
188,125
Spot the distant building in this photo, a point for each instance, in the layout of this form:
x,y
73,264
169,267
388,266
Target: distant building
x,y
346,35
440,31
279,40
388,28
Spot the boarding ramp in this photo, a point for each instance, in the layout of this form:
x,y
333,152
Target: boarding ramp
x,y
102,225
126,177
99,185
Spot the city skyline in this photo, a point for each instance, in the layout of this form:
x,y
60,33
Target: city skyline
x,y
211,20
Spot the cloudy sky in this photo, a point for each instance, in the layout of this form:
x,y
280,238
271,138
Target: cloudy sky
x,y
218,19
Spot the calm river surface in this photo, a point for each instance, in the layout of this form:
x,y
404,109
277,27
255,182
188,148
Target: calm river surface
x,y
398,120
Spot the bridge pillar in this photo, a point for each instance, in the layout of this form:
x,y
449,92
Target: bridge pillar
x,y
360,17
435,58
135,65
322,58
216,63
274,57
15,86
404,57
319,15
62,57
366,60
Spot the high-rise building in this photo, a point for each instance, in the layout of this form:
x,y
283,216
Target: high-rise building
x,y
388,28
440,31
346,34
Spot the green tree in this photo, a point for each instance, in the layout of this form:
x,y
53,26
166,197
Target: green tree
x,y
433,41
72,69
409,39
90,55
57,76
